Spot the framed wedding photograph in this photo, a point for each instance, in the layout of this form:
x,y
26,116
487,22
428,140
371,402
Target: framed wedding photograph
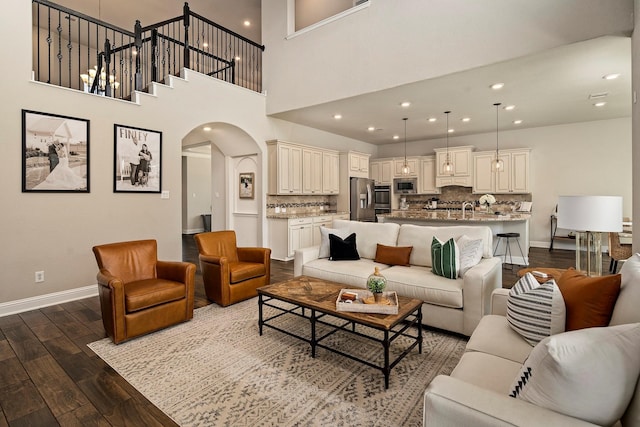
x,y
138,160
55,153
247,186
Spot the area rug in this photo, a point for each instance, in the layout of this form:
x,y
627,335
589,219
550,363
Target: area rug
x,y
216,370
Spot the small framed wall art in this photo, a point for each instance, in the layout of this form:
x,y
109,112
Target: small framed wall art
x,y
55,153
138,160
247,185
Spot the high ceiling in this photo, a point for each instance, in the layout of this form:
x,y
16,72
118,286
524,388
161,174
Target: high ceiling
x,y
548,88
124,13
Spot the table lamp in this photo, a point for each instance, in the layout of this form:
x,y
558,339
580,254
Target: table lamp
x,y
589,217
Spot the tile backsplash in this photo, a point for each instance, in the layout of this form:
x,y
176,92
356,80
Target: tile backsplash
x,y
452,197
301,204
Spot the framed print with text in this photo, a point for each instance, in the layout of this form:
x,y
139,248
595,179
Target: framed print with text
x,y
138,160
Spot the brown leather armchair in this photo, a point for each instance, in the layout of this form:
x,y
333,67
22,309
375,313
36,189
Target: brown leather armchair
x,y
231,274
138,293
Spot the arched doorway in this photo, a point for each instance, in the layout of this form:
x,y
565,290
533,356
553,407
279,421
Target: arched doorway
x,y
235,171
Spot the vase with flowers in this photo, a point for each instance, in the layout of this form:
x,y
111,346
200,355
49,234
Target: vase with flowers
x,y
487,200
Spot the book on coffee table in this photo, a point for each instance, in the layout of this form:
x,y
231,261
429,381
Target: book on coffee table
x,y
362,301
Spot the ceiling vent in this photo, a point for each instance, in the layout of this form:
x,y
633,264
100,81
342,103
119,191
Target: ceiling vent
x,y
598,95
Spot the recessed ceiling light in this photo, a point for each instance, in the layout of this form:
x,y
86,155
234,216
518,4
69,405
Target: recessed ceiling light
x,y
405,104
611,76
432,119
205,44
466,119
509,107
600,104
396,136
452,130
497,86
517,122
371,128
237,58
337,116
247,23
206,128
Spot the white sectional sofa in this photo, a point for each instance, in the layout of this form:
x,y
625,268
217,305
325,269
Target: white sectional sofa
x,y
477,391
453,305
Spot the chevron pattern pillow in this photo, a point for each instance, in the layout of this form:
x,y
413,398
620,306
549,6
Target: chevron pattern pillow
x,y
534,310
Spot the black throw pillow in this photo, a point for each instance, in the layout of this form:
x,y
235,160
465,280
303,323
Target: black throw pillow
x,y
343,249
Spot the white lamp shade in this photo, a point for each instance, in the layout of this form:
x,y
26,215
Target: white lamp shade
x,y
590,213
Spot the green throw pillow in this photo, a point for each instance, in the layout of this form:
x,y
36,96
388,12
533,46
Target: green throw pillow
x,y
445,258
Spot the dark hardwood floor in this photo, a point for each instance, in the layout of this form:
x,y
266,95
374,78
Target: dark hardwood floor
x,y
49,377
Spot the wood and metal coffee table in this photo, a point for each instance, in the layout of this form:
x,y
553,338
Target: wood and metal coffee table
x,y
313,299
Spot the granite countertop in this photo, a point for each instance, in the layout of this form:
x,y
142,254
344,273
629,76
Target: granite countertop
x,y
455,216
294,215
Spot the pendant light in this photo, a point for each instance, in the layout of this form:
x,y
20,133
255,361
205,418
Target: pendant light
x,y
405,166
497,165
447,166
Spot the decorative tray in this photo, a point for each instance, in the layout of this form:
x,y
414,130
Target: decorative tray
x,y
364,302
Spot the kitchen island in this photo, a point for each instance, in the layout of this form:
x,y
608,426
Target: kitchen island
x,y
509,223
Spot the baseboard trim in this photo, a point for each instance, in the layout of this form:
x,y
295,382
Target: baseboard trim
x,y
33,303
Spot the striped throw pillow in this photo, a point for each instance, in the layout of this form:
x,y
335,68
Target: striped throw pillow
x,y
534,310
445,258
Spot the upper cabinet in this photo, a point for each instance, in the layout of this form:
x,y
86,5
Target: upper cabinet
x,y
330,172
412,162
358,164
460,157
311,171
381,171
513,179
300,169
427,176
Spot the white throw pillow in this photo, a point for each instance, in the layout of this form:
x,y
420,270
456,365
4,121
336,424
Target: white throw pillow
x,y
535,310
470,252
589,374
324,239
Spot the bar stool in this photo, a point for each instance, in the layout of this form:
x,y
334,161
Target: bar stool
x,y
507,247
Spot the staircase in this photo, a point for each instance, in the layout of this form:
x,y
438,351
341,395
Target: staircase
x,y
80,52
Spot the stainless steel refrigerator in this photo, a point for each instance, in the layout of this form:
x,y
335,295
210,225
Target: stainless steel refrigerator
x,y
362,199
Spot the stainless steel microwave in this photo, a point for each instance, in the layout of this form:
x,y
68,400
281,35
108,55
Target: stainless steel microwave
x,y
405,185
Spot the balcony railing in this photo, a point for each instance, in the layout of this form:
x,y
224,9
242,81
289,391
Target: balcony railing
x,y
80,52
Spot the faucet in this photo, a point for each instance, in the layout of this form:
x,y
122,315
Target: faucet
x,y
464,207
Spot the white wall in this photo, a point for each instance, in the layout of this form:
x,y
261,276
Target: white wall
x,y
55,232
574,159
391,43
196,197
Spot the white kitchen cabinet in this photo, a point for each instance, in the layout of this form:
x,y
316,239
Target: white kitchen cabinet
x,y
484,181
288,234
520,171
358,164
300,169
300,234
381,171
330,172
285,168
513,179
320,221
460,157
312,176
427,176
412,162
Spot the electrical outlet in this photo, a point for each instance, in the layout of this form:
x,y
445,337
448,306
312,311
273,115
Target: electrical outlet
x,y
39,276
